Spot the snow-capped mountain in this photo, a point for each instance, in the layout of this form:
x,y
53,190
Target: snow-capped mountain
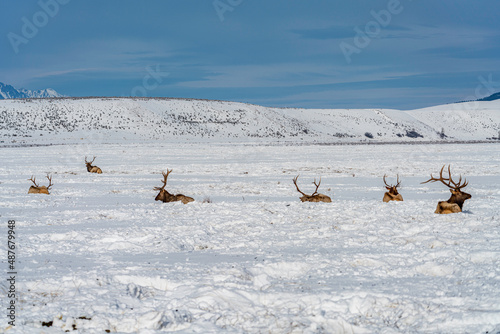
x,y
9,92
70,120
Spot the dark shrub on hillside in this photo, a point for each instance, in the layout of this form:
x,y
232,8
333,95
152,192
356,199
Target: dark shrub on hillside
x,y
413,134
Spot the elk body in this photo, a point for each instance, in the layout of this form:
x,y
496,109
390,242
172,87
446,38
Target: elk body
x,y
92,169
392,194
165,196
315,196
36,189
458,197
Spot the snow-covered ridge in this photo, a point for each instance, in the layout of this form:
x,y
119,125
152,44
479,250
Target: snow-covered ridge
x,y
9,92
118,119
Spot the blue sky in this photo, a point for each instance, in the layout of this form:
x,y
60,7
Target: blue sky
x,y
399,54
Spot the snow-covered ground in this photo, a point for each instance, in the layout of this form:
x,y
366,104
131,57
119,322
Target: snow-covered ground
x,y
99,253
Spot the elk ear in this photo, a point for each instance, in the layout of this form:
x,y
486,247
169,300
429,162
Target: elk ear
x,y
388,188
453,191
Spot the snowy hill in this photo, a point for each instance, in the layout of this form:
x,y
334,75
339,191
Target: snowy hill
x,y
9,92
147,119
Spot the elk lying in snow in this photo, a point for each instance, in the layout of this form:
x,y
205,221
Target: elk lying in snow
x,y
315,197
392,194
165,196
92,169
36,189
457,199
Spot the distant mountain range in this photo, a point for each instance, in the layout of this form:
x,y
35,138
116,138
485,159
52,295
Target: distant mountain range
x,y
9,92
492,97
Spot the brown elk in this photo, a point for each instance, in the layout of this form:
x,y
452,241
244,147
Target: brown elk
x,y
92,169
165,196
392,194
36,189
458,197
315,196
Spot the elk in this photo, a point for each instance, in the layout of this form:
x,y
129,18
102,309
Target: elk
x,y
166,197
36,189
392,194
315,196
457,199
92,169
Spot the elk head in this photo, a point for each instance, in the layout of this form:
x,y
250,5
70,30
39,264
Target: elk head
x,y
92,169
458,197
315,197
36,189
165,196
392,194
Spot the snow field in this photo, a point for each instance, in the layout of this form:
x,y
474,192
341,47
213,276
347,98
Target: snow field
x,y
100,254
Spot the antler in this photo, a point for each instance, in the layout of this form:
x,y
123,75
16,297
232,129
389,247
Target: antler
x,y
397,180
386,182
296,186
90,161
33,180
459,185
317,186
449,179
50,181
165,176
397,184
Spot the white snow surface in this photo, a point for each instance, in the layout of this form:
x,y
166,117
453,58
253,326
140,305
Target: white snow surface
x,y
247,256
117,120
